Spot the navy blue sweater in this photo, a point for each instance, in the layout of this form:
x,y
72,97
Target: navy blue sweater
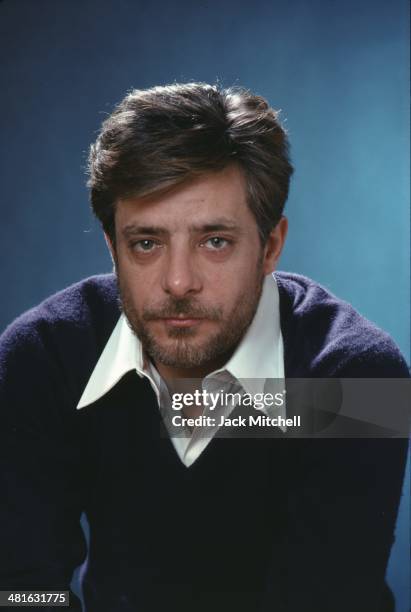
x,y
256,525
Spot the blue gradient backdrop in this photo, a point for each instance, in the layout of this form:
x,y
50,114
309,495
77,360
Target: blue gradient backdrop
x,y
339,71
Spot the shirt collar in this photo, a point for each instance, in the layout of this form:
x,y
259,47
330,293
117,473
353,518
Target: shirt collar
x,y
258,356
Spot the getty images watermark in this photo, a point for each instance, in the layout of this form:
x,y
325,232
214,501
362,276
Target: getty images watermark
x,y
298,407
265,409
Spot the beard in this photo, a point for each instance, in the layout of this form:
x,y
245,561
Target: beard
x,y
182,349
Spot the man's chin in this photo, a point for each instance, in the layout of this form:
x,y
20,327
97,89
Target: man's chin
x,y
180,353
183,352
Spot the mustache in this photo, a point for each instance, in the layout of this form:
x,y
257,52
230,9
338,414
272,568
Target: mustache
x,y
183,306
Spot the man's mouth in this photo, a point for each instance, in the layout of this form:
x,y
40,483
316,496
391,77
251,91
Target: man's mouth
x,y
181,321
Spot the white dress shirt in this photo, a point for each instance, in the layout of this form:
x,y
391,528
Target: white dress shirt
x,y
258,361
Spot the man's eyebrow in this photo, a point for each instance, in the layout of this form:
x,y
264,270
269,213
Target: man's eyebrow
x,y
215,226
133,230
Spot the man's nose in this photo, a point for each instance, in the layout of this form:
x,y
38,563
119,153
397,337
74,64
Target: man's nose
x,y
180,275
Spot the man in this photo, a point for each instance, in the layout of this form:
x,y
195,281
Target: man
x,y
189,183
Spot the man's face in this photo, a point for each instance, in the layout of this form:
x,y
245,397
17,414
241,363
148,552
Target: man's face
x,y
190,268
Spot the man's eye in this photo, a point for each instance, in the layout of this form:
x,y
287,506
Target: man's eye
x,y
144,246
216,243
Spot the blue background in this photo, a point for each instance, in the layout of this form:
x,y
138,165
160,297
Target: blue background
x,y
339,72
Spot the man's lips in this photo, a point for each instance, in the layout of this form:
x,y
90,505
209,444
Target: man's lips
x,y
181,321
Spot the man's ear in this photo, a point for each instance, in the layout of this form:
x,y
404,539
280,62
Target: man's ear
x,y
111,248
274,246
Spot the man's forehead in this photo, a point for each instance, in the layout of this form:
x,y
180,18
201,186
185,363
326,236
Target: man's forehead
x,y
216,199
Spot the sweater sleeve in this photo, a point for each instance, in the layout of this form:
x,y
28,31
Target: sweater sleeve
x,y
41,476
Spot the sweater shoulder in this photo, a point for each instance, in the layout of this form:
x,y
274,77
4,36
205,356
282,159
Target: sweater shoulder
x,y
77,306
334,337
64,334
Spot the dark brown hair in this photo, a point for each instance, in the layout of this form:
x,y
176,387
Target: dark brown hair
x,y
160,137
